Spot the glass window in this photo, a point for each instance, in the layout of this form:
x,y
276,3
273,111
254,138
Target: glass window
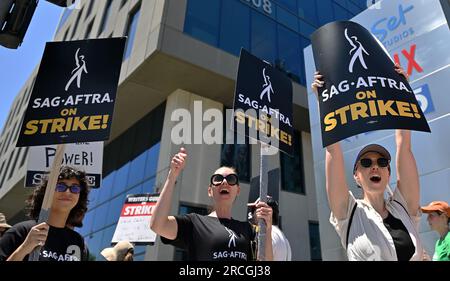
x,y
235,27
152,161
137,169
291,5
292,175
101,213
339,12
115,208
94,245
131,30
289,55
314,241
106,188
263,34
287,18
108,234
88,220
353,8
306,29
149,186
237,156
202,20
326,12
120,180
105,17
307,10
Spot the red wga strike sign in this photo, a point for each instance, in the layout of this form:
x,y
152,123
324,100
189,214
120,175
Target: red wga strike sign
x,y
74,93
134,221
362,90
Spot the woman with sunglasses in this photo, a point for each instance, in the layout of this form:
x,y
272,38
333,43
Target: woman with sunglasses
x,y
57,242
216,236
375,228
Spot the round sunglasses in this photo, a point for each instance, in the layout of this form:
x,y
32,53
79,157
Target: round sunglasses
x,y
367,163
217,179
62,187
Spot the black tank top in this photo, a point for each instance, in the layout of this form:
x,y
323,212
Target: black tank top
x,y
402,241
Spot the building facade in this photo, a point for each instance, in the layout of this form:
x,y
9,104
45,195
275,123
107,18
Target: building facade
x,y
179,53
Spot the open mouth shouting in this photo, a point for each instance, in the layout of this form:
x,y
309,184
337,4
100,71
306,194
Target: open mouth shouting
x,y
224,191
375,178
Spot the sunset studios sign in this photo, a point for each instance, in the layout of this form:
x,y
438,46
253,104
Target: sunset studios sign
x,y
74,93
362,90
263,103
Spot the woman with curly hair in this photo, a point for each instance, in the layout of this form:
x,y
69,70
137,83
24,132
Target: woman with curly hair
x,y
57,242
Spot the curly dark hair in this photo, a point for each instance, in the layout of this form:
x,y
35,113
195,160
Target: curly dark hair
x,y
66,172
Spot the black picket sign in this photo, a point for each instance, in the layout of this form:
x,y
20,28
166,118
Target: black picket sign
x,y
74,93
263,103
362,90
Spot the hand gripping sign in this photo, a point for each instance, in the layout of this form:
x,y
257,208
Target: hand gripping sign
x,y
362,91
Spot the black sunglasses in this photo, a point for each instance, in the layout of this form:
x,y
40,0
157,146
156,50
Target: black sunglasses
x,y
367,163
217,179
62,187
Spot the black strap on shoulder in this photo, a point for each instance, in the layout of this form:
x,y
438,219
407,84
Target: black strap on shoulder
x,y
349,224
402,207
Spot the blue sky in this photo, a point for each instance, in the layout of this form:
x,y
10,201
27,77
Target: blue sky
x,y
17,65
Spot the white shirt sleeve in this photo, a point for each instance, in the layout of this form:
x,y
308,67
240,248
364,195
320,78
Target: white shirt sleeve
x,y
341,225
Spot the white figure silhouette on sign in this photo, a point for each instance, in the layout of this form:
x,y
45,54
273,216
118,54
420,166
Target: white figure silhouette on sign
x,y
267,86
78,71
232,236
358,54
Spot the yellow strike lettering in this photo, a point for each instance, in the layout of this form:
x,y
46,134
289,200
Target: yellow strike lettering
x,y
31,127
373,108
45,124
275,133
404,109
342,112
358,109
240,117
69,123
78,123
95,122
284,137
330,122
384,108
58,125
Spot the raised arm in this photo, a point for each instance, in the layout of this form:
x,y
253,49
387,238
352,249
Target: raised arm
x,y
336,183
161,222
407,175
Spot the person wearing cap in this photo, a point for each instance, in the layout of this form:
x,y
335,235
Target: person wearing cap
x,y
55,240
4,226
216,236
122,251
438,219
375,228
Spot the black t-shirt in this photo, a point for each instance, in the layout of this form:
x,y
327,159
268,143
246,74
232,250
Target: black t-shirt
x,y
63,244
209,238
402,241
